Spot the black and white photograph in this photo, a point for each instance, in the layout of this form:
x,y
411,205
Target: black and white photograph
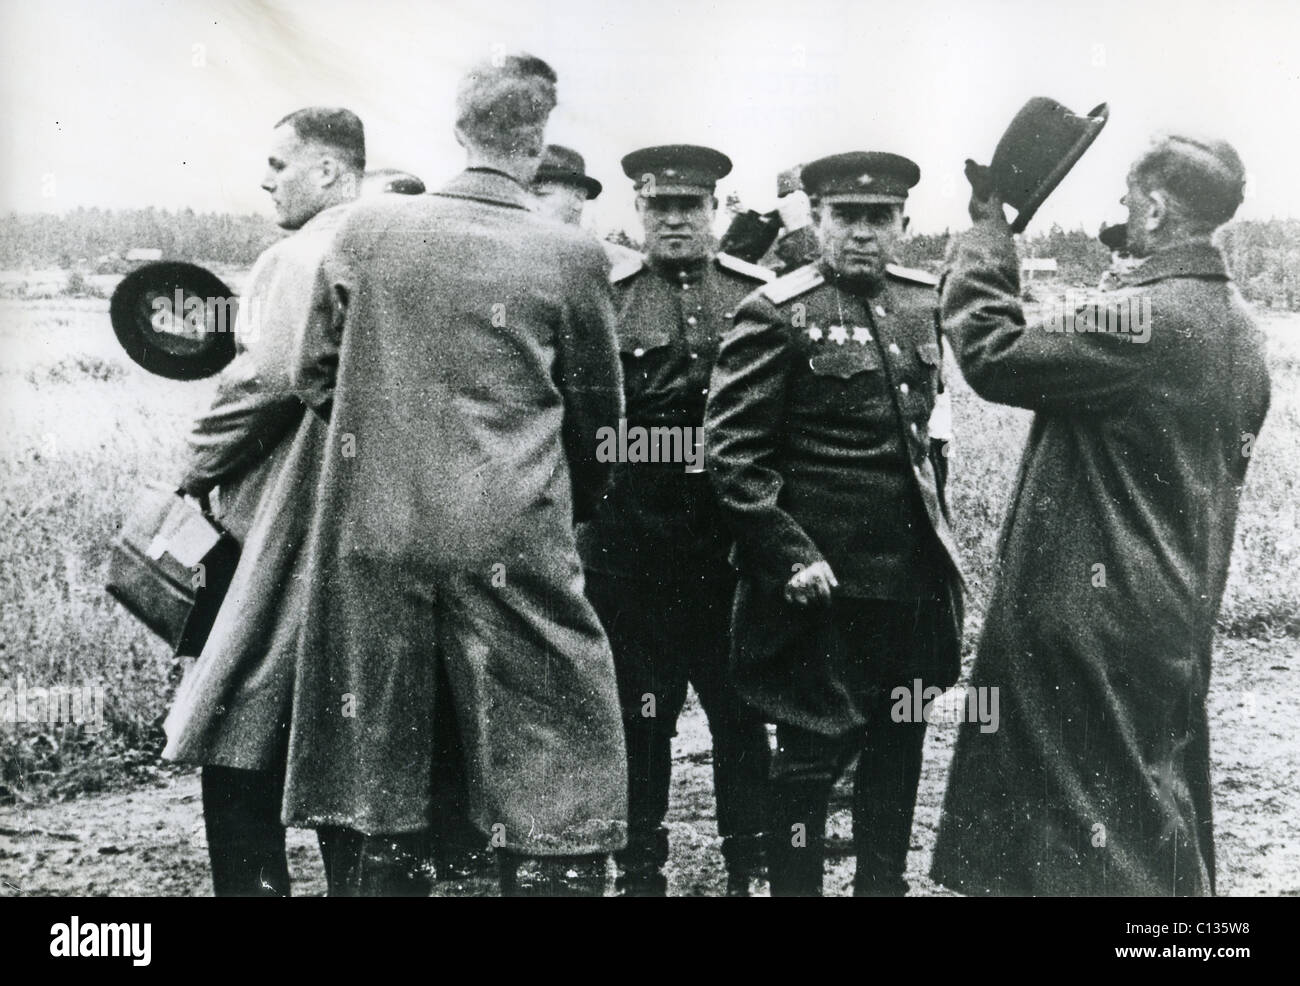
x,y
722,449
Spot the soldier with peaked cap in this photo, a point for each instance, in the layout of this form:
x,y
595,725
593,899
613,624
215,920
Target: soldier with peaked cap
x,y
817,429
656,553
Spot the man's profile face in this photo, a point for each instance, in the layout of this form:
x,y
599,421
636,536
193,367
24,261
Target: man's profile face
x,y
677,227
560,201
293,177
858,239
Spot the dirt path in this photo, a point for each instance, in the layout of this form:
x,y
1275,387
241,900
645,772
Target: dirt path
x,y
149,841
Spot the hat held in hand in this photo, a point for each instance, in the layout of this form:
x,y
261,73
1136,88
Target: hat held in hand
x,y
175,319
1037,150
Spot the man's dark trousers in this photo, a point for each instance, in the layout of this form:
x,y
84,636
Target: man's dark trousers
x,y
664,634
876,637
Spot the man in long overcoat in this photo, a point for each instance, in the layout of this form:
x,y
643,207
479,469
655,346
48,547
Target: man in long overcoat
x,y
1114,553
468,365
263,452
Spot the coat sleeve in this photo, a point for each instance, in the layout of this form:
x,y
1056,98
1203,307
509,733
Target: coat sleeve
x,y
744,423
313,366
1009,361
590,377
245,422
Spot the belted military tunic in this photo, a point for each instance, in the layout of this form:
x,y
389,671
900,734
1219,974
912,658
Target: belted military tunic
x,y
818,441
658,517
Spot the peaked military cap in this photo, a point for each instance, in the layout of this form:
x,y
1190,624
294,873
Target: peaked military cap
x,y
566,166
676,169
860,176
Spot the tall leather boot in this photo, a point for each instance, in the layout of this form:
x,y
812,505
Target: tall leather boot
x,y
743,855
241,815
796,851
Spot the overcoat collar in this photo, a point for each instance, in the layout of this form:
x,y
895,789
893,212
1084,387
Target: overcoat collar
x,y
1194,258
487,185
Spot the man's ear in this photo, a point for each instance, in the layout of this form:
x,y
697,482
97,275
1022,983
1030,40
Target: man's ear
x,y
460,135
815,206
329,171
907,221
1158,215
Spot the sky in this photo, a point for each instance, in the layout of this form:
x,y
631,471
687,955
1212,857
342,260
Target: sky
x,y
123,103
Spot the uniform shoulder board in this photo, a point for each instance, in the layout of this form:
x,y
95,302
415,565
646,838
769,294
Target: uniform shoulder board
x,y
744,268
791,285
912,275
625,267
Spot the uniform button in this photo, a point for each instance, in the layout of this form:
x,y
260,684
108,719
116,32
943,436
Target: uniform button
x,y
695,355
692,320
880,310
903,389
893,348
705,390
728,314
915,430
638,352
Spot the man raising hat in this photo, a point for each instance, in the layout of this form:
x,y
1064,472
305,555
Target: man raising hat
x,y
656,552
818,447
1113,562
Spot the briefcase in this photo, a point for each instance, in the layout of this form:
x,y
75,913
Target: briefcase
x,y
171,566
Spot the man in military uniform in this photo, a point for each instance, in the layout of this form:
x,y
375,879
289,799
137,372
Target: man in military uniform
x,y
849,582
656,553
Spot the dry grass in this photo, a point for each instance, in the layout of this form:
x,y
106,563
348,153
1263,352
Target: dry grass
x,y
81,425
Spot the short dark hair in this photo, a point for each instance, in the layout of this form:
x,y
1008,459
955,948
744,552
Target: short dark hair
x,y
1206,176
504,105
334,127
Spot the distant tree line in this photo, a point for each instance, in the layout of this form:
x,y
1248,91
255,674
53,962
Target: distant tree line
x,y
82,238
1264,256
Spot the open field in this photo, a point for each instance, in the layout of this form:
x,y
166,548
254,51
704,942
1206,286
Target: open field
x,y
94,812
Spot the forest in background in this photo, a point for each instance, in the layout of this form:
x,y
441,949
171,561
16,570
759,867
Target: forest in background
x,y
1264,256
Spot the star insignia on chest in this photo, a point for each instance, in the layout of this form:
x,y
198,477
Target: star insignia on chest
x,y
839,334
815,333
861,335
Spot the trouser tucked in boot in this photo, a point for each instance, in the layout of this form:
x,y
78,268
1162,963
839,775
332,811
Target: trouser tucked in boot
x,y
665,634
806,767
241,813
381,865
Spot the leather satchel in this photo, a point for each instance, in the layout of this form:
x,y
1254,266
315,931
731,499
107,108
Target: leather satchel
x,y
171,566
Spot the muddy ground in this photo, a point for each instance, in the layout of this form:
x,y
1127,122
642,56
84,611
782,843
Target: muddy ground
x,y
149,840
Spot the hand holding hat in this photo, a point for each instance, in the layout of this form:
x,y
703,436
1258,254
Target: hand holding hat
x,y
985,202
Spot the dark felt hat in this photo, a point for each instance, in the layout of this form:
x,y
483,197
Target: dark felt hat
x,y
566,166
1038,149
391,180
175,319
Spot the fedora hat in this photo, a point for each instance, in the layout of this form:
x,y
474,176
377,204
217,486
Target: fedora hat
x,y
1038,149
391,180
175,319
566,166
